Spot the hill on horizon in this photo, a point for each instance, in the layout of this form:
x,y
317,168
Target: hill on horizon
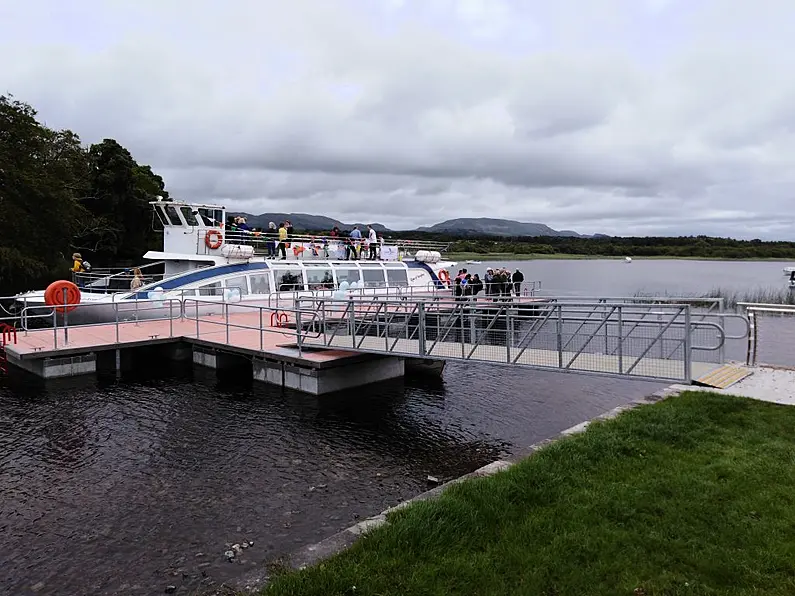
x,y
487,226
464,226
303,221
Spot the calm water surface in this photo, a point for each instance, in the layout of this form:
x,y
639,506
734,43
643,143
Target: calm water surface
x,y
127,486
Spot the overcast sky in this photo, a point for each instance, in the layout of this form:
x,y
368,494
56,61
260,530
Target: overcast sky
x,y
615,116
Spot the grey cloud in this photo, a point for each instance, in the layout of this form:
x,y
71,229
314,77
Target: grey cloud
x,y
609,118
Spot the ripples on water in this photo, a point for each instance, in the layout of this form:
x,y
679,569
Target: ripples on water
x,y
114,487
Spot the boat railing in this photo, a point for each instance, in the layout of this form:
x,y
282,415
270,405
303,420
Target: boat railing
x,y
319,245
116,279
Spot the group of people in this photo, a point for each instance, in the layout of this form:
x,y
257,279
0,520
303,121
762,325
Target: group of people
x,y
278,240
496,283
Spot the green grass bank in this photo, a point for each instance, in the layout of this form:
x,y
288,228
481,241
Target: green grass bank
x,y
694,495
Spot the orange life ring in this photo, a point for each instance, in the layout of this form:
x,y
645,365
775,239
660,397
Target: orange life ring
x,y
57,290
444,276
213,239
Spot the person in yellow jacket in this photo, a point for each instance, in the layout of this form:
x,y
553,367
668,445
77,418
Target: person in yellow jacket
x,y
77,267
283,241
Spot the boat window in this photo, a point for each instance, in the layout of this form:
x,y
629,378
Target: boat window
x,y
349,275
187,213
289,280
319,278
373,278
211,217
161,215
186,293
398,278
260,283
211,289
239,283
172,215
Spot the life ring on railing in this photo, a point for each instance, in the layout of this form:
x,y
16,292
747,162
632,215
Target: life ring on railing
x,y
63,295
213,239
444,277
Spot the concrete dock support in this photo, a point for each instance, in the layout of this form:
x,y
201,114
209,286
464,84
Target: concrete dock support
x,y
55,368
319,381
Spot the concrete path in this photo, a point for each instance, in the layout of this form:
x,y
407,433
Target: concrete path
x,y
771,384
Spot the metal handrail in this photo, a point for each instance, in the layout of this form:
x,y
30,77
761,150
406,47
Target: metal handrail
x,y
301,317
248,236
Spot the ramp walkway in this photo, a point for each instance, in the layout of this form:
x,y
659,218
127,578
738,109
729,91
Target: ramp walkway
x,y
634,338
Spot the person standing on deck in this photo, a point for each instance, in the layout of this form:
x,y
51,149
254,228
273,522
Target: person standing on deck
x,y
373,241
517,278
489,281
356,238
283,241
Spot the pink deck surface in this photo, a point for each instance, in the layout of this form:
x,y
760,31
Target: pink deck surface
x,y
211,330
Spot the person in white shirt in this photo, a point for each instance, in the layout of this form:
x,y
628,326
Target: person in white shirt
x,y
372,240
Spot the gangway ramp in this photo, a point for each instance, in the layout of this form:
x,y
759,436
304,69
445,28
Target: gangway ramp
x,y
670,342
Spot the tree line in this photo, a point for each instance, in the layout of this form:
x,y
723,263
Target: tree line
x,y
673,247
58,197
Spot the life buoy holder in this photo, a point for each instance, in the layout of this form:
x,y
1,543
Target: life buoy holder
x,y
63,295
444,277
213,239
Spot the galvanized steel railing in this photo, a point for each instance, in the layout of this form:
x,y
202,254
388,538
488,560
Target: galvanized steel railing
x,y
656,341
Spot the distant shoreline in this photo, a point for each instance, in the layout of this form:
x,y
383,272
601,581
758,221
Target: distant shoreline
x,y
501,256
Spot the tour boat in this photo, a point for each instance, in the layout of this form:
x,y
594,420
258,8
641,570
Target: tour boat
x,y
201,260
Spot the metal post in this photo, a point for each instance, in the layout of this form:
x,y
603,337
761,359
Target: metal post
x,y
65,320
298,325
352,324
54,329
116,309
171,318
560,334
260,329
463,329
688,348
756,338
323,322
226,319
421,327
620,340
508,334
196,307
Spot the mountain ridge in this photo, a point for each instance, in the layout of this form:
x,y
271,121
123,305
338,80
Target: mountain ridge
x,y
463,226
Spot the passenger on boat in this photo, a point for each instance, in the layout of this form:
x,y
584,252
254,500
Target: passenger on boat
x,y
335,232
271,236
289,227
372,239
489,279
283,241
476,284
137,280
517,278
77,266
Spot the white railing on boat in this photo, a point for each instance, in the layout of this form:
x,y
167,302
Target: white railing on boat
x,y
322,243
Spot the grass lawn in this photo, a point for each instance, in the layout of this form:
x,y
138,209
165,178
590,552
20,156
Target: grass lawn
x,y
693,495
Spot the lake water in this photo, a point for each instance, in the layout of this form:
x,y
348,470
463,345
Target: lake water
x,y
126,486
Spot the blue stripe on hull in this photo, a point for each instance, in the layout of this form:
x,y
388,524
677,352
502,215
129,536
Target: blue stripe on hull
x,y
198,275
419,265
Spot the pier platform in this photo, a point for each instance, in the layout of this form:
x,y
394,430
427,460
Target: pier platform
x,y
211,341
